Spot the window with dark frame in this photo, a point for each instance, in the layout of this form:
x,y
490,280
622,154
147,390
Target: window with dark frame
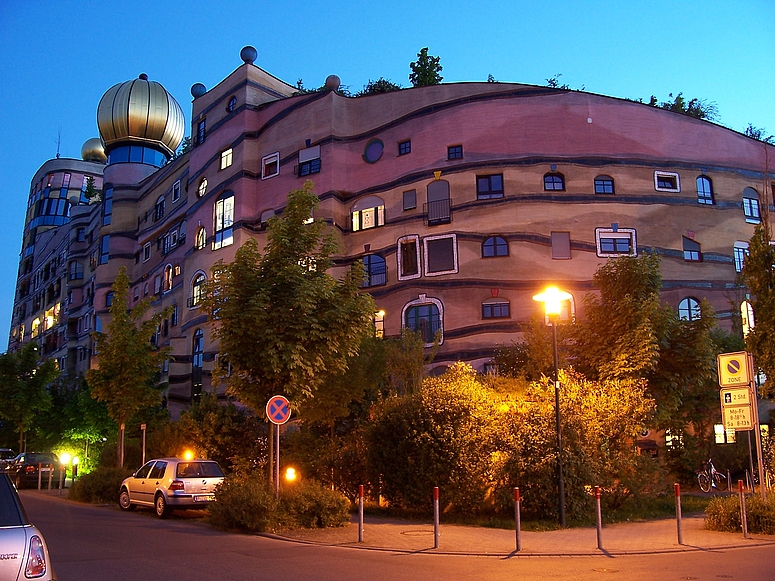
x,y
410,199
604,185
704,190
440,254
615,241
107,205
224,222
741,252
200,132
425,319
202,189
455,152
232,104
309,167
176,191
495,310
495,246
105,249
489,186
554,182
375,270
615,245
158,212
692,250
751,206
404,147
689,309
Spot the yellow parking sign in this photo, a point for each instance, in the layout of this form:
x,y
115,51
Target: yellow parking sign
x,y
733,369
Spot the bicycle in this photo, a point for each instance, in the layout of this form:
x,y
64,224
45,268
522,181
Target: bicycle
x,y
709,478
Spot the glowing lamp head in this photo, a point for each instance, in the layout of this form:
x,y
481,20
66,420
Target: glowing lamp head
x,y
290,474
76,459
188,455
552,298
65,458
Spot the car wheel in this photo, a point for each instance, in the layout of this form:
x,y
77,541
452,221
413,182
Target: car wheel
x,y
124,501
162,510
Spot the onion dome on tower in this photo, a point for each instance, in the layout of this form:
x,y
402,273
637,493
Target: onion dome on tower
x,y
140,122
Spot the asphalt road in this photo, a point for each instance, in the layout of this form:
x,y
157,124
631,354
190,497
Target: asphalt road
x,y
102,543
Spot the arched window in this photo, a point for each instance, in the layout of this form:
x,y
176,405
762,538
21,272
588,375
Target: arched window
x,y
368,212
197,290
554,182
704,190
689,309
495,246
751,206
375,270
167,285
202,189
438,209
604,185
197,359
158,213
224,221
201,238
426,316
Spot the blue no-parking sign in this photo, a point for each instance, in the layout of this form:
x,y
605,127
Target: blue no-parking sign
x,y
278,409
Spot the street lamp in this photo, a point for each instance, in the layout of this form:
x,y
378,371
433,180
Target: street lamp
x,y
552,298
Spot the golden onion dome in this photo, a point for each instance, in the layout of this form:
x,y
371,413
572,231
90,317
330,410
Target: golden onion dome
x,y
140,111
93,150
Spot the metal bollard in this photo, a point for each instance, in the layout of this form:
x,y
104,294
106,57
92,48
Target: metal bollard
x,y
518,518
599,519
435,517
743,515
360,513
50,475
40,467
678,518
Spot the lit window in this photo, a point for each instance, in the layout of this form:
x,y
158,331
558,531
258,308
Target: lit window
x,y
226,158
168,278
425,315
615,242
408,257
158,213
367,213
751,206
554,182
404,147
667,181
489,187
375,270
455,152
197,290
176,191
224,221
146,252
704,190
201,238
495,246
689,309
692,252
741,252
270,165
604,185
440,254
495,309
202,189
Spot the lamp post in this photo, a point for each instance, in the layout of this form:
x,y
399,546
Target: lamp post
x,y
552,298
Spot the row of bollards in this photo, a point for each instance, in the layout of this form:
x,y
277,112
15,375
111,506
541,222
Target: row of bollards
x,y
598,515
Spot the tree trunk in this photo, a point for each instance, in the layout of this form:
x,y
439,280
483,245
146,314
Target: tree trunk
x,y
21,439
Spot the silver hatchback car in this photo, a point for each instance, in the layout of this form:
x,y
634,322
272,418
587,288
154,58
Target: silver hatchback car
x,y
169,483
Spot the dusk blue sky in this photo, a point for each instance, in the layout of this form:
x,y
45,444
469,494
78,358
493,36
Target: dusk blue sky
x,y
57,58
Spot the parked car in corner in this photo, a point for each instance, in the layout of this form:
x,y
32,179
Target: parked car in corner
x,y
23,469
169,483
6,455
23,550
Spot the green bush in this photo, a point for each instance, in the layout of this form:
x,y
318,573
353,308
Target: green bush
x,y
723,514
246,503
99,486
310,505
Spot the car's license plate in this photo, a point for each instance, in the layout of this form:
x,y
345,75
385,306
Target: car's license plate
x,y
204,497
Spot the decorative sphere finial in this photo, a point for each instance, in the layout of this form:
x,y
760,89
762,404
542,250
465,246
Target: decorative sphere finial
x,y
333,82
197,90
93,150
143,77
248,55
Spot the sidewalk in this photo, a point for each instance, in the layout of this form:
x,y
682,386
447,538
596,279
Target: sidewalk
x,y
658,536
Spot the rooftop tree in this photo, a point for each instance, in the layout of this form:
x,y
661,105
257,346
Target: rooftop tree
x,y
425,70
127,378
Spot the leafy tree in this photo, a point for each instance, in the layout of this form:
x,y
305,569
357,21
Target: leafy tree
x,y
127,376
425,70
406,360
759,133
759,277
699,108
23,383
381,85
284,323
491,79
533,357
185,147
554,83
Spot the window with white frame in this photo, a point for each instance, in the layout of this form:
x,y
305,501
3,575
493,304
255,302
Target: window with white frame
x,y
224,221
667,181
615,242
158,212
741,252
440,254
226,158
168,278
270,165
368,212
425,315
146,252
197,289
176,191
408,257
751,206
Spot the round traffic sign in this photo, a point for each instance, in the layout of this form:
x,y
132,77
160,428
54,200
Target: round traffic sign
x,y
278,409
733,366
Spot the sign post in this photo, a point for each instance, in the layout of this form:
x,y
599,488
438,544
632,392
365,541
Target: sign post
x,y
278,410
